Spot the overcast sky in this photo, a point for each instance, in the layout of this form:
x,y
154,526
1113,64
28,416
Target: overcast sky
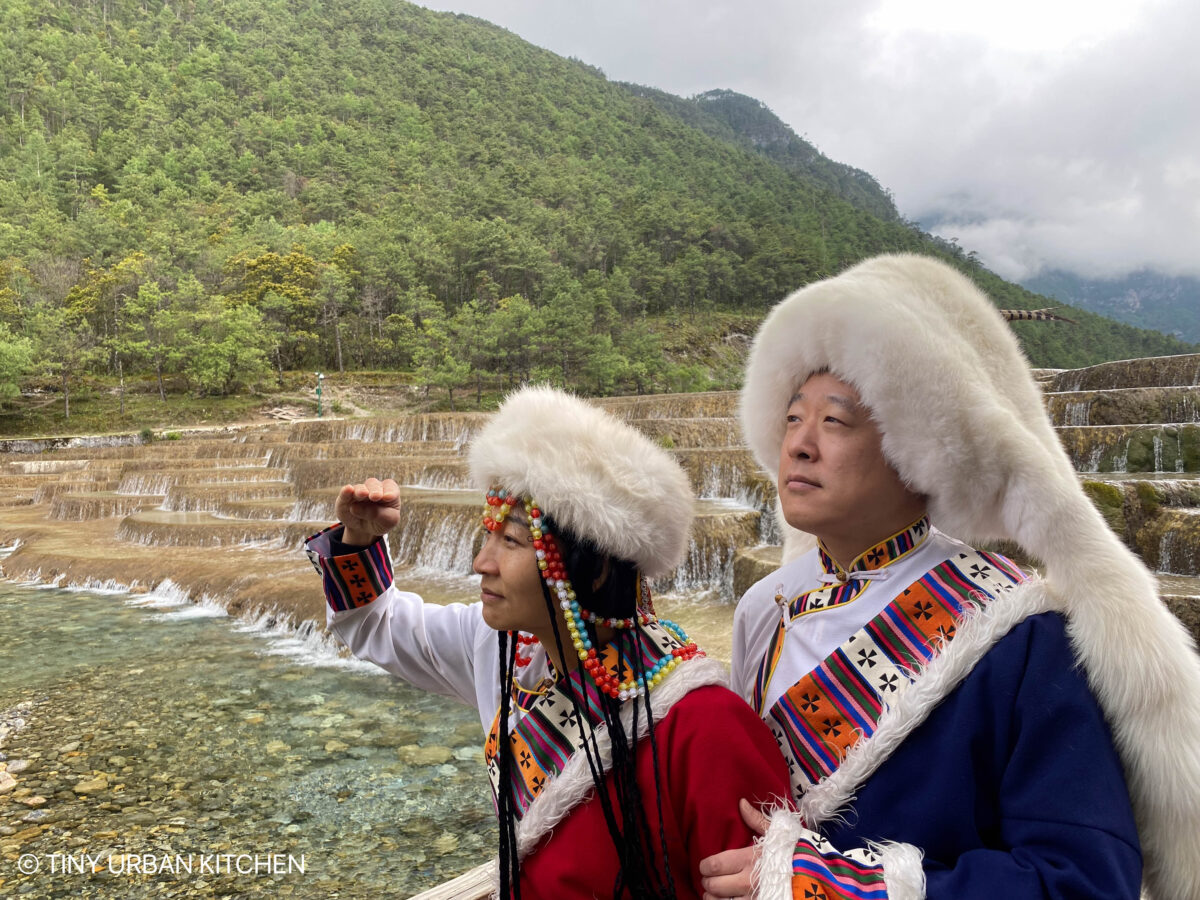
x,y
1041,133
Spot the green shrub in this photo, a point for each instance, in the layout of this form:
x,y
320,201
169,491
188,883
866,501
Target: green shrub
x,y
1148,497
1110,501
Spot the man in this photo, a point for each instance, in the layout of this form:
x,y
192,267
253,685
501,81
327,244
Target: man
x,y
954,727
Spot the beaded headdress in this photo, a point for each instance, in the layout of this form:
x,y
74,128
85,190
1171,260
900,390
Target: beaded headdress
x,y
500,505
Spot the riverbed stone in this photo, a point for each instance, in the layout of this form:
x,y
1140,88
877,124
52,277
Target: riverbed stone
x,y
415,755
27,834
445,843
91,786
7,782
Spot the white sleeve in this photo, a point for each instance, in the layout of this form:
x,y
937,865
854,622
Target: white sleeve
x,y
431,647
738,663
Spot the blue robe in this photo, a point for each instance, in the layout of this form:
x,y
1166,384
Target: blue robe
x,y
1011,787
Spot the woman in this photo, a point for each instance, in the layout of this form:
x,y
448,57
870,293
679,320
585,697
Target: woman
x,y
565,659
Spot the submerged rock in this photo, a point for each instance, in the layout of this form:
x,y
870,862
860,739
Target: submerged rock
x,y
424,756
91,786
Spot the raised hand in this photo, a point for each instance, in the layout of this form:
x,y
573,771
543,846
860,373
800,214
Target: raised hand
x,y
368,510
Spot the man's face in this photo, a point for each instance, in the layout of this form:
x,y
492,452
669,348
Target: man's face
x,y
834,481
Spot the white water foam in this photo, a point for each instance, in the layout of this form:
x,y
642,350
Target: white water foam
x,y
207,607
166,594
107,587
305,644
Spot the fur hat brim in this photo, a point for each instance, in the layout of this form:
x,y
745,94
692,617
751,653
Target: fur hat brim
x,y
594,475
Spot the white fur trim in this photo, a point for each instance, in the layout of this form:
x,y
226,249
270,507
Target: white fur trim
x,y
963,422
1142,665
773,870
596,476
977,633
574,783
903,872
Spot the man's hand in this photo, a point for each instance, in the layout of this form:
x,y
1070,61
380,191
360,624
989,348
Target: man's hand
x,y
731,874
367,510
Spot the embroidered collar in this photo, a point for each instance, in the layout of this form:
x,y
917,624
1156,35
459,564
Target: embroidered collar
x,y
871,561
547,732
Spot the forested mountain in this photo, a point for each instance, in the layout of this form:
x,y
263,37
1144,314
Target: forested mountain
x,y
736,118
209,189
1147,299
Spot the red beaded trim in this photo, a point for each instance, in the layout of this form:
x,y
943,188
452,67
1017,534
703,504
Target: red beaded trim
x,y
523,640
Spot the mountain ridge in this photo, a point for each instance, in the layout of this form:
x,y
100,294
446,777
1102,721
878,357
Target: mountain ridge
x,y
1145,298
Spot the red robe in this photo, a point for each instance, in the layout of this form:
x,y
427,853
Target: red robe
x,y
712,751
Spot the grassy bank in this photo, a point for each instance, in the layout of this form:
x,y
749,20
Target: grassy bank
x,y
96,404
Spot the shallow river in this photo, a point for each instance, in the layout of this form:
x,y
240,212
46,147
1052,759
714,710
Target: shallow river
x,y
145,735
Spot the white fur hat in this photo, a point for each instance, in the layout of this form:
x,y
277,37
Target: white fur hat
x,y
595,476
963,422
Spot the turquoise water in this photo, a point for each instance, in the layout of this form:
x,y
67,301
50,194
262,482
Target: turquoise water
x,y
154,729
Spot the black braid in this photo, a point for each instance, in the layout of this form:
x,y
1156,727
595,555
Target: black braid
x,y
662,831
510,882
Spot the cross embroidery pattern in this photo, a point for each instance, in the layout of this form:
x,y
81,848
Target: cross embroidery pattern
x,y
818,719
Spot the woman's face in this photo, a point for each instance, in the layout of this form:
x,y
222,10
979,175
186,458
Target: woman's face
x,y
511,585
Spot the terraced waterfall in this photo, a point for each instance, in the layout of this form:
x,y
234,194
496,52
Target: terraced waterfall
x,y
213,523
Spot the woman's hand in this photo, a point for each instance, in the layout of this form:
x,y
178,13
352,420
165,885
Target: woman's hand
x,y
368,510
